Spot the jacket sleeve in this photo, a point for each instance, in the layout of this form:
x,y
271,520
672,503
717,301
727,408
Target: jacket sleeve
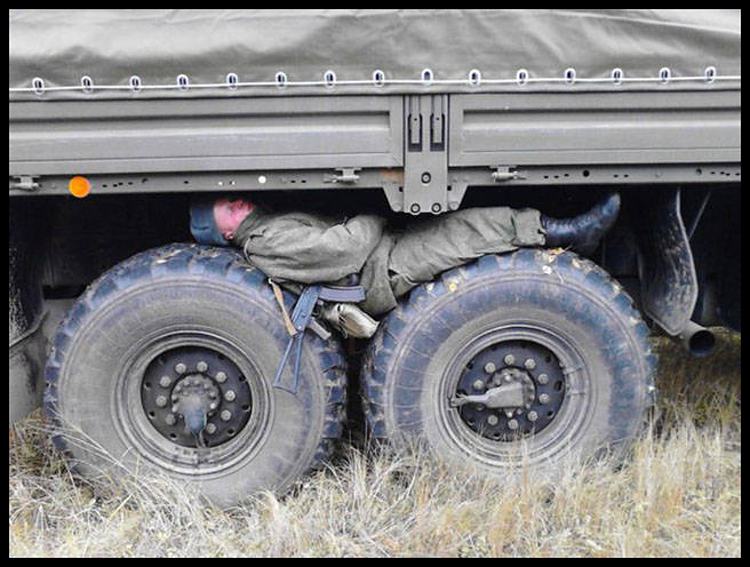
x,y
310,250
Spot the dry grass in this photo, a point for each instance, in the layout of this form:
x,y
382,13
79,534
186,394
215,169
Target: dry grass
x,y
678,495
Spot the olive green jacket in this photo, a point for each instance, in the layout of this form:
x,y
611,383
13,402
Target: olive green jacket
x,y
309,248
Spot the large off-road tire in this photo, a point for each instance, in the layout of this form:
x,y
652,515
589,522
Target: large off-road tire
x,y
556,324
118,355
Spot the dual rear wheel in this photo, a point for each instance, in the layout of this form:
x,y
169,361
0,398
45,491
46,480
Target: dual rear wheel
x,y
526,357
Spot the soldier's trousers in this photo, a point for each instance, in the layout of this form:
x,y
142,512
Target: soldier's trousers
x,y
404,259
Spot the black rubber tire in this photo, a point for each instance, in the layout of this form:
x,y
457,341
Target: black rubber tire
x,y
190,291
565,297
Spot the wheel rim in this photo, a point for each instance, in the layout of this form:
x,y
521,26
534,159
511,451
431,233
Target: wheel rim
x,y
202,372
527,365
570,404
134,401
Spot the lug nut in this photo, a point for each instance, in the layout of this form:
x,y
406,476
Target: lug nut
x,y
201,366
161,401
492,420
226,415
478,385
490,368
532,416
512,424
544,398
221,377
542,379
509,359
180,368
165,381
210,429
230,396
170,419
529,364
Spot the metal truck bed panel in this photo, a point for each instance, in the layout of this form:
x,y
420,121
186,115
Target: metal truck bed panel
x,y
205,135
585,128
328,133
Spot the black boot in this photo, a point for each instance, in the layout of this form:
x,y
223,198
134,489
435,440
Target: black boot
x,y
582,233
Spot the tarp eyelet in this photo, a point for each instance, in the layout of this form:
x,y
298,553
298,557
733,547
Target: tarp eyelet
x,y
281,79
87,84
330,78
38,84
232,80
522,76
183,82
617,75
427,76
378,78
710,74
475,77
135,83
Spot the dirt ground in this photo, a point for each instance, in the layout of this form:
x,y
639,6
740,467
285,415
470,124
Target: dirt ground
x,y
678,494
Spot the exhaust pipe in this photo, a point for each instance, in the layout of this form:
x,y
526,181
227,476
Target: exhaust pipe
x,y
697,340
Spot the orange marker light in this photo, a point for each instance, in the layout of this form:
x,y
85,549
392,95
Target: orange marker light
x,y
79,186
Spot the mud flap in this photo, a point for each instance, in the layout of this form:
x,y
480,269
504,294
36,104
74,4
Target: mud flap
x,y
669,285
26,350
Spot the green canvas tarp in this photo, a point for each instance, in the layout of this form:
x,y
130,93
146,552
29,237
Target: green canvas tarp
x,y
94,53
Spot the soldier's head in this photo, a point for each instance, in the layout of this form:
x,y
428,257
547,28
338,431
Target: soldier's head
x,y
216,220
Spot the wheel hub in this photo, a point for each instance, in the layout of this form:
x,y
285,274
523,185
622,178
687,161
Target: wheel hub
x,y
195,396
510,390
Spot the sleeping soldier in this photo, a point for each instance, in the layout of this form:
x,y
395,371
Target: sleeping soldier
x,y
302,248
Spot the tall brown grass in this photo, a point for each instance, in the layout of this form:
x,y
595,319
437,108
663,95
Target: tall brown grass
x,y
678,494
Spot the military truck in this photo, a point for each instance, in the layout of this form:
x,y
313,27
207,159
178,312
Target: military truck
x,y
118,118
